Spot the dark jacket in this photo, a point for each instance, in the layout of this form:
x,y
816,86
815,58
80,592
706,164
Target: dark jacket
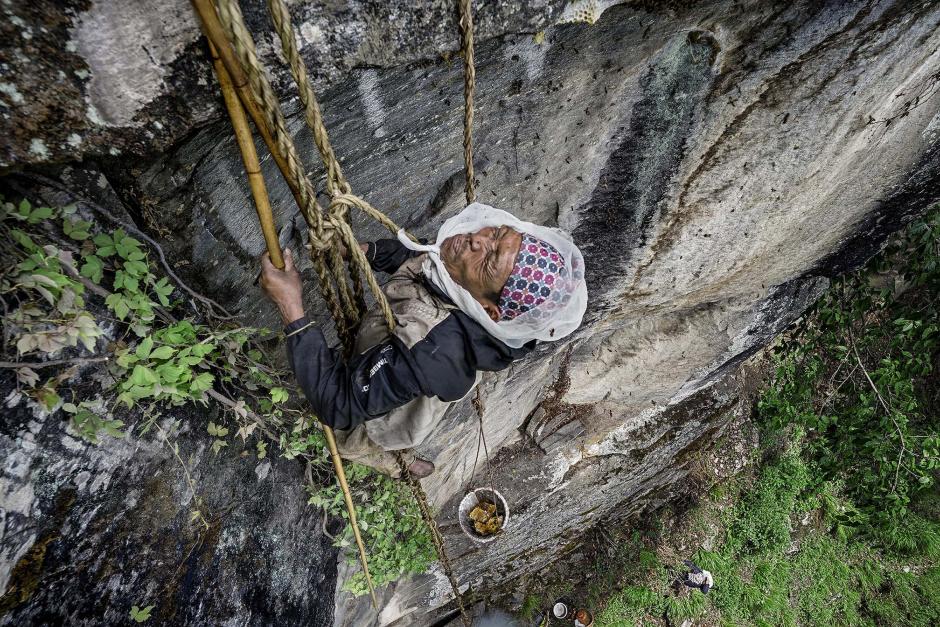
x,y
387,375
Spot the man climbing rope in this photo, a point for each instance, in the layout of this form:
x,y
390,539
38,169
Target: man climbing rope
x,y
477,300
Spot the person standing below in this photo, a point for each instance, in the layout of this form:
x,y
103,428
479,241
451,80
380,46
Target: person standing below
x,y
695,577
477,300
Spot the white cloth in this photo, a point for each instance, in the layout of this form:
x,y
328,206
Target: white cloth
x,y
537,323
701,578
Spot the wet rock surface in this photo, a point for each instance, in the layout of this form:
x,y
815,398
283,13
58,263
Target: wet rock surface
x,y
717,163
89,531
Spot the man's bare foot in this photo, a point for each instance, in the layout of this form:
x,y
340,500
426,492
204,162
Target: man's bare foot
x,y
420,468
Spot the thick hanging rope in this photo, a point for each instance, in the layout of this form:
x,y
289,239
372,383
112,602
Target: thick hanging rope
x,y
436,538
469,82
321,233
335,182
338,187
273,130
342,197
337,222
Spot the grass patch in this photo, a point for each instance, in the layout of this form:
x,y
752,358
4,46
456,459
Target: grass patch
x,y
840,524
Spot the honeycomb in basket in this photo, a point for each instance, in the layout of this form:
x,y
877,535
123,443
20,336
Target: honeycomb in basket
x,y
486,521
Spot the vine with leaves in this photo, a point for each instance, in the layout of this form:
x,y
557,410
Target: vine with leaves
x,y
73,296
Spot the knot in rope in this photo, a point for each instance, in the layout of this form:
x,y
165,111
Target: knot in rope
x,y
322,241
336,183
338,208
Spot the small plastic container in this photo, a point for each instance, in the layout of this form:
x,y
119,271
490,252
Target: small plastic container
x,y
471,500
562,610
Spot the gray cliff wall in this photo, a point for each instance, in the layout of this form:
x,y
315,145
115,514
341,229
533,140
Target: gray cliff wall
x,y
717,162
85,79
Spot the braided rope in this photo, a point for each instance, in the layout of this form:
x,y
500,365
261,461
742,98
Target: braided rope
x,y
231,17
469,82
338,218
436,536
335,181
342,198
329,272
326,234
337,186
358,258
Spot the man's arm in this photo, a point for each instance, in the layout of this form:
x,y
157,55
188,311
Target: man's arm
x,y
344,394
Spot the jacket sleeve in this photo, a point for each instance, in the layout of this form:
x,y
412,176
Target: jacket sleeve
x,y
387,255
344,394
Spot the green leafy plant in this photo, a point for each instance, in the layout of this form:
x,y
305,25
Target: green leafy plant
x,y
60,297
841,524
857,379
139,615
50,314
88,424
396,538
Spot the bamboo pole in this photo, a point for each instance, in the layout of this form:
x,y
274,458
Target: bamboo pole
x,y
215,33
263,206
246,146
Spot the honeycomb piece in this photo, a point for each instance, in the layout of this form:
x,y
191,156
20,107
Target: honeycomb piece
x,y
486,521
478,514
585,11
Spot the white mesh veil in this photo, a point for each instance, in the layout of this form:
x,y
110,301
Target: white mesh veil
x,y
569,296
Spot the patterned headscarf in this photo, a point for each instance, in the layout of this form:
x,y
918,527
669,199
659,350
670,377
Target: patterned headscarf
x,y
539,266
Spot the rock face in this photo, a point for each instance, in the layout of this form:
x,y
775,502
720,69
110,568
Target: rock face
x,y
113,531
85,78
717,163
91,530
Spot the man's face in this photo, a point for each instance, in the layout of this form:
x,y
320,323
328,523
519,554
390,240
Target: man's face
x,y
481,262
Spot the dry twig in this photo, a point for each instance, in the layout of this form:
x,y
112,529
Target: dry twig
x,y
886,408
232,404
53,362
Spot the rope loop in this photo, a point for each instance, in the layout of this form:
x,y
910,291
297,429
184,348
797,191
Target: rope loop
x,y
352,200
338,208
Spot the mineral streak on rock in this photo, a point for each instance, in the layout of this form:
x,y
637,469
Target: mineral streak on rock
x,y
718,162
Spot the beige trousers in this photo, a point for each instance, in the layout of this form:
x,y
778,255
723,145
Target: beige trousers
x,y
356,446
